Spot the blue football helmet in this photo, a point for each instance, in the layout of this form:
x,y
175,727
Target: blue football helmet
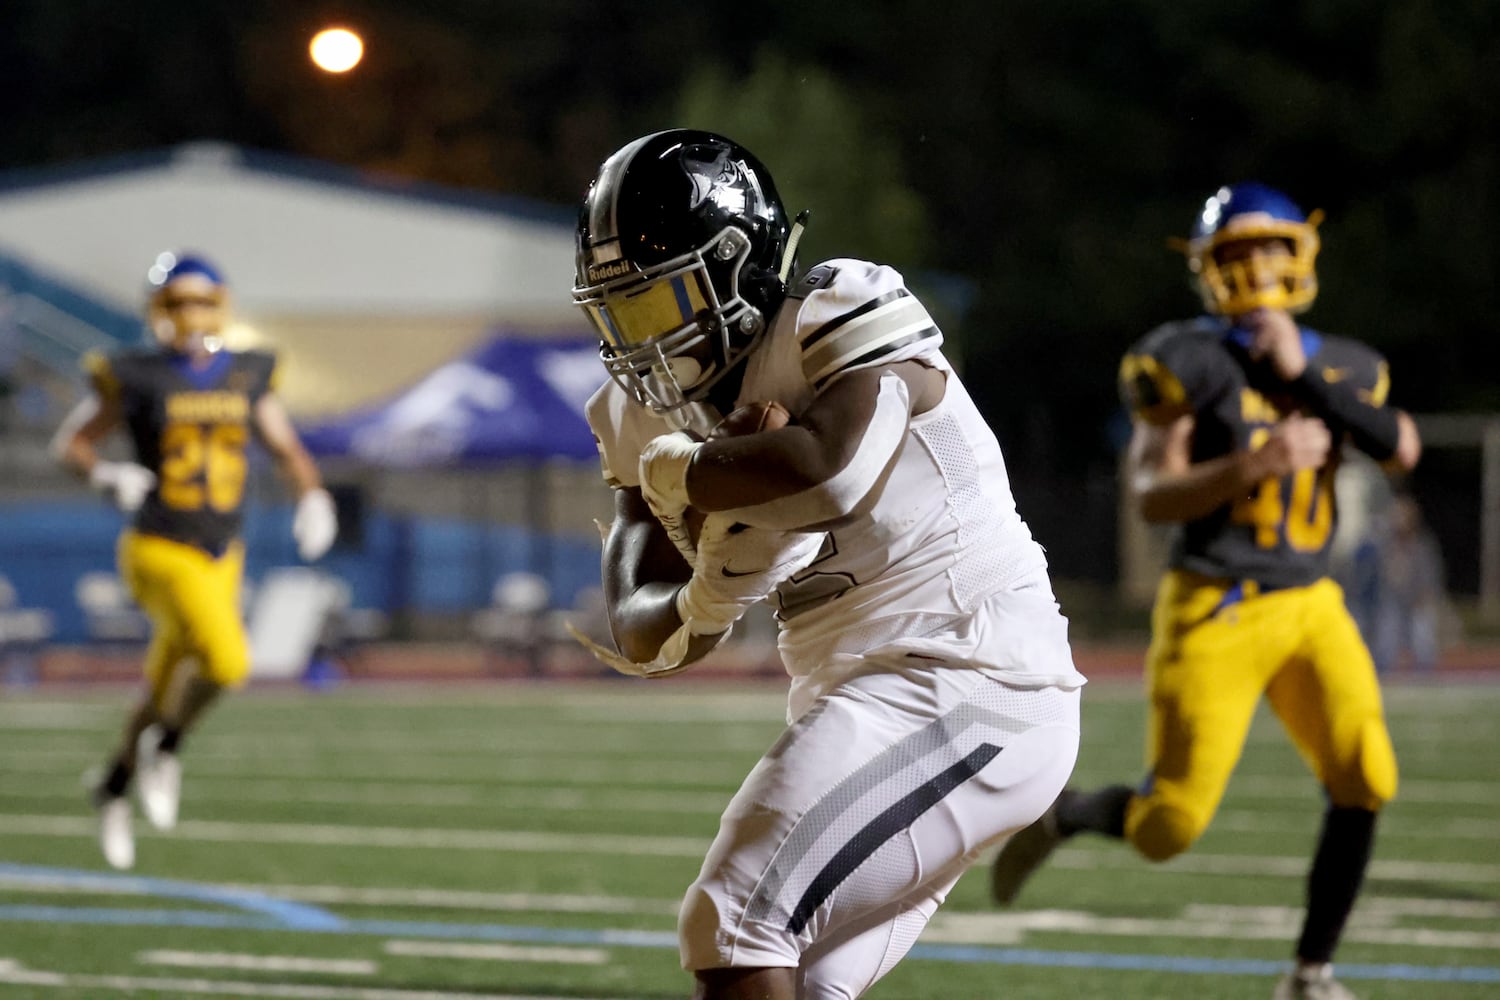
x,y
188,305
1231,273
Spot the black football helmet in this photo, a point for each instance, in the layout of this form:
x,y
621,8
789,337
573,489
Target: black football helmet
x,y
680,267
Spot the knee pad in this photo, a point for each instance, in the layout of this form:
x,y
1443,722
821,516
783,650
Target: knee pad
x,y
1370,780
1161,830
226,664
227,667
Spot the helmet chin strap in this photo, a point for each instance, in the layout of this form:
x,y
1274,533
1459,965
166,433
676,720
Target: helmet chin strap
x,y
696,419
789,255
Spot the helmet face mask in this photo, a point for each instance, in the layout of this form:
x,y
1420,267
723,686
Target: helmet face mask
x,y
1253,248
680,246
665,334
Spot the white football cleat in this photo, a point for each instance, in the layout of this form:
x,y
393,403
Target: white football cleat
x,y
1312,983
158,779
115,835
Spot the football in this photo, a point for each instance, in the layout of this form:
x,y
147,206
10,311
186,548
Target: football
x,y
764,415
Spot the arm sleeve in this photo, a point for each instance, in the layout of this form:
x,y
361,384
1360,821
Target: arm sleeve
x,y
1346,384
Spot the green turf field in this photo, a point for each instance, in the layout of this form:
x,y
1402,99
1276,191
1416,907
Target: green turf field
x,y
532,841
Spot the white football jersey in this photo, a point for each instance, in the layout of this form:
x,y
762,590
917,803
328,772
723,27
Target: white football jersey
x,y
940,566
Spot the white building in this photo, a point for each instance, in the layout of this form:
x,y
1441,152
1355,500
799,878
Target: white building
x,y
361,283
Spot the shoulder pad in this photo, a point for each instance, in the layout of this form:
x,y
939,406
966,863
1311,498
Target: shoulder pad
x,y
100,371
266,367
1174,370
816,278
854,314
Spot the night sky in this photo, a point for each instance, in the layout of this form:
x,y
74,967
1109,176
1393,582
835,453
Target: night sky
x,y
1022,162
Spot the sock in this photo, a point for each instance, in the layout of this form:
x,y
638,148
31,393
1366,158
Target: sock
x,y
1102,811
117,782
1338,868
171,738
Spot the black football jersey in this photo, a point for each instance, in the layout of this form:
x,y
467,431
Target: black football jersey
x,y
1279,533
190,426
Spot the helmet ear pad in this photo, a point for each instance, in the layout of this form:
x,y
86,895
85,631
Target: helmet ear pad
x,y
763,289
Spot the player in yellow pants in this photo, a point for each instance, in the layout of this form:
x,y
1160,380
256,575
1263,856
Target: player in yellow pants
x,y
1214,655
1239,417
190,408
193,600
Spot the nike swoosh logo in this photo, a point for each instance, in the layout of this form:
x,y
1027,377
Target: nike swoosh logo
x,y
731,574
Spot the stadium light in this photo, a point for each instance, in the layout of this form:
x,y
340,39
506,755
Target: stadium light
x,y
336,50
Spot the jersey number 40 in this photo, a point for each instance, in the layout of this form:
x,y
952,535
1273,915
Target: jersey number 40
x,y
1298,508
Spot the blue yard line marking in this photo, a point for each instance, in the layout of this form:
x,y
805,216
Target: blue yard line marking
x,y
220,919
225,920
294,916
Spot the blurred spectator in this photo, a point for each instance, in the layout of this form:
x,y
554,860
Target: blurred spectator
x,y
1410,598
1364,497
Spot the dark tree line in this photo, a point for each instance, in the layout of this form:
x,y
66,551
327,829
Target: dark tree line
x,y
1026,160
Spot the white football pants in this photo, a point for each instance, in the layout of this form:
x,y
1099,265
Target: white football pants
x,y
849,832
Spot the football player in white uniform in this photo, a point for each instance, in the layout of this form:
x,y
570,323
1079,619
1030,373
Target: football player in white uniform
x,y
934,703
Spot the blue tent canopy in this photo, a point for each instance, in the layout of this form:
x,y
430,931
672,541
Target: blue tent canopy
x,y
511,398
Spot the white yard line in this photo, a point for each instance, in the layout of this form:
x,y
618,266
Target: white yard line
x,y
1456,872
1455,828
1012,928
23,724
11,973
1373,911
258,963
377,793
497,952
483,771
331,835
448,743
623,846
723,743
482,768
1428,790
1297,820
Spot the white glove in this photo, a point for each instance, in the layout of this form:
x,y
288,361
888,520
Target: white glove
x,y
315,524
737,567
677,530
663,470
125,483
733,571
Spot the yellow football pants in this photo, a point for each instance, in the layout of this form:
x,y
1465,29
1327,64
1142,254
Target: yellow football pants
x,y
1210,662
193,601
